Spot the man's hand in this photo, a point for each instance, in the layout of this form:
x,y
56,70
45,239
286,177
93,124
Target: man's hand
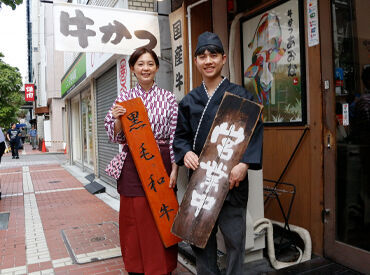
x,y
191,160
238,174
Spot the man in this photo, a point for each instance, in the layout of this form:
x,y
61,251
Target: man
x,y
197,111
33,137
13,136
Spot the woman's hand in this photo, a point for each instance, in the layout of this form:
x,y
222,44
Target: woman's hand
x,y
118,111
238,174
173,175
191,160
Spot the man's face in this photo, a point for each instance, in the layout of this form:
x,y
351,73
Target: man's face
x,y
210,64
13,126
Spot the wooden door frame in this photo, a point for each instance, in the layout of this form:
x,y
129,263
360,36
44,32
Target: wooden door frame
x,y
338,251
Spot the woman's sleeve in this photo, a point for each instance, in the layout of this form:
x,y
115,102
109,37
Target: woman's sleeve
x,y
173,123
109,123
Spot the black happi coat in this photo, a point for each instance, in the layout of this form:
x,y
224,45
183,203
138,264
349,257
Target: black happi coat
x,y
190,111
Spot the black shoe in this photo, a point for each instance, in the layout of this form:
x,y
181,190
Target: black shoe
x,y
17,157
13,157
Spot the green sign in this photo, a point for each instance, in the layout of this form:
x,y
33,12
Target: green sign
x,y
75,74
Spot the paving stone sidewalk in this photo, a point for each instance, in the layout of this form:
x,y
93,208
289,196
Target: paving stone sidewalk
x,y
55,225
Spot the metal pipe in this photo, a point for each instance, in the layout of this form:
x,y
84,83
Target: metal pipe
x,y
188,8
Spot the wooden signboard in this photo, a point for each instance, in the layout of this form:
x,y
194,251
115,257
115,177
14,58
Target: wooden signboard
x,y
227,141
150,167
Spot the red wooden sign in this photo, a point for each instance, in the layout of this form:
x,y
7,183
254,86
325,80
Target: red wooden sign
x,y
226,143
150,167
29,92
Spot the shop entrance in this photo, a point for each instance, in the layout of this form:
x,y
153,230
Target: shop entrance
x,y
346,82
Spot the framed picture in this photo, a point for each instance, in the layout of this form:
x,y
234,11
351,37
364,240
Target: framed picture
x,y
273,62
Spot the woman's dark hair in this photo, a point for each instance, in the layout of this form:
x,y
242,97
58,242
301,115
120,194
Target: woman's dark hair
x,y
139,52
211,48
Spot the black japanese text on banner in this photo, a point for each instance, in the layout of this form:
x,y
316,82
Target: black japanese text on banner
x,y
81,28
179,54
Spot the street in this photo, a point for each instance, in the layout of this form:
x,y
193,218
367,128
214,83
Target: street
x,y
55,225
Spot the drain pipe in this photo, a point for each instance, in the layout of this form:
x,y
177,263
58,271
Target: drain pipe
x,y
266,224
188,8
233,28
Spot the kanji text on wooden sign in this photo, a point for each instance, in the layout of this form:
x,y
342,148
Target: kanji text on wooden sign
x,y
227,141
150,167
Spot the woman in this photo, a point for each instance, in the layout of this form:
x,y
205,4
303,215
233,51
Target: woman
x,y
141,246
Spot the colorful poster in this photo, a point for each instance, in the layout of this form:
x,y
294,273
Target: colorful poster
x,y
273,52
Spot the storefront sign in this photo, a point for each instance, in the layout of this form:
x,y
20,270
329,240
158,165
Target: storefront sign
x,y
81,28
150,167
229,136
29,92
123,74
345,113
74,75
179,52
312,23
273,62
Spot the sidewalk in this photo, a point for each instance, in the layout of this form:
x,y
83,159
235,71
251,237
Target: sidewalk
x,y
55,225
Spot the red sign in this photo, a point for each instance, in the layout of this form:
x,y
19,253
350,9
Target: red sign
x,y
122,74
295,81
29,92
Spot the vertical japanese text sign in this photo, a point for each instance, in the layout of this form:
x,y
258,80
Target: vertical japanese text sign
x,y
81,28
179,52
150,167
29,92
226,143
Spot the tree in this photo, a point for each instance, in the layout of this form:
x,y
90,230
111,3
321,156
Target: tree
x,y
12,3
10,96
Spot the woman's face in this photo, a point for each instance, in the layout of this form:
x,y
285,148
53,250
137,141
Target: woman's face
x,y
145,69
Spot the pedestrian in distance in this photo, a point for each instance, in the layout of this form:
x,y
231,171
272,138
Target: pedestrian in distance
x,y
2,143
23,134
33,137
13,136
197,111
141,245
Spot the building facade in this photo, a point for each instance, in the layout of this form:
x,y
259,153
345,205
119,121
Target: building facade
x,y
304,59
47,69
91,83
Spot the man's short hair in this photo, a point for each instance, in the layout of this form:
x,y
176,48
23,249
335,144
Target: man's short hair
x,y
211,48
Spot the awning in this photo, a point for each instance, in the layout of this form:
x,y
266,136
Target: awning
x,y
42,110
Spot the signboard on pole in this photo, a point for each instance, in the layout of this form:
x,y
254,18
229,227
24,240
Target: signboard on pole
x,y
149,165
229,136
29,92
179,52
81,28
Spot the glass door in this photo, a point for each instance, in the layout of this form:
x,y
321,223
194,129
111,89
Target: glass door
x,y
87,130
347,134
76,133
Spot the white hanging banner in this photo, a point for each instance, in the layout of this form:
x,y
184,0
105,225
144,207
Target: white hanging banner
x,y
313,23
179,53
81,28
